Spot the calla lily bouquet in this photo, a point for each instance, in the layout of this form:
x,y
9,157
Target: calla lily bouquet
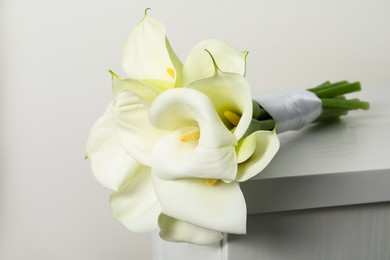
x,y
177,139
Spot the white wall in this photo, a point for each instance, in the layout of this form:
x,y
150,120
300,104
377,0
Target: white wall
x,y
54,57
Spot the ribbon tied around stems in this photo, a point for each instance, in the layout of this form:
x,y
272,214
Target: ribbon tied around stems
x,y
292,110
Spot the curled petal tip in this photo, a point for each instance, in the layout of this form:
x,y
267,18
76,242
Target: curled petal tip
x,y
275,128
216,68
113,74
147,10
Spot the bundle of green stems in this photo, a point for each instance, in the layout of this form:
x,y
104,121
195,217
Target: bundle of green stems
x,y
334,104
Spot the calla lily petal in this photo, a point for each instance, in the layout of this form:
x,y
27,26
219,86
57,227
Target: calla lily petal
x,y
212,156
188,107
245,148
135,203
136,133
109,162
229,92
173,158
174,230
147,54
146,92
267,145
218,206
198,64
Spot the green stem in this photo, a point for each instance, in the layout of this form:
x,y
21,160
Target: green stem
x,y
259,113
263,115
337,90
328,110
257,125
326,85
256,109
334,105
347,104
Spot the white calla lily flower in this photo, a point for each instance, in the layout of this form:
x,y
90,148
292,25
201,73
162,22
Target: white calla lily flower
x,y
110,164
199,146
175,230
148,55
135,204
172,142
262,147
245,148
135,131
229,92
217,206
134,201
198,64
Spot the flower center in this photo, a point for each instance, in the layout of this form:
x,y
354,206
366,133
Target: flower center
x,y
191,136
210,182
232,117
171,72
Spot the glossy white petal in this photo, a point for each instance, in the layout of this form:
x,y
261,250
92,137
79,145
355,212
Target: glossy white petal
x,y
174,230
267,145
220,207
212,156
245,148
199,65
173,158
146,92
109,162
147,54
136,133
229,92
135,204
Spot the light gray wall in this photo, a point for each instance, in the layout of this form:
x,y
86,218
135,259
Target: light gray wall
x,y
54,84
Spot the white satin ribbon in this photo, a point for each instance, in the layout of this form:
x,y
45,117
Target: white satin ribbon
x,y
292,110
